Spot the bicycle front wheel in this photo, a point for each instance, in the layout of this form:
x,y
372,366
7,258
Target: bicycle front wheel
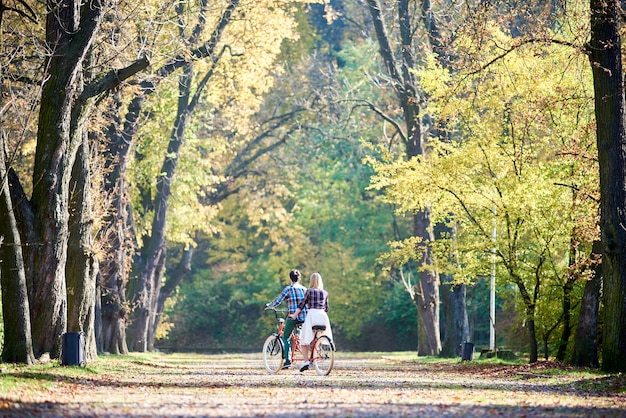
x,y
323,355
273,354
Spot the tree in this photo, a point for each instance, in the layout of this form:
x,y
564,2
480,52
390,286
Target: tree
x,y
117,236
605,56
82,265
17,345
404,83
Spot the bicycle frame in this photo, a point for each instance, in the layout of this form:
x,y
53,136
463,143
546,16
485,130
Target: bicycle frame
x,y
296,347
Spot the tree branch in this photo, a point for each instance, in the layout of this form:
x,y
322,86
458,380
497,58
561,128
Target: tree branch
x,y
381,113
515,47
113,79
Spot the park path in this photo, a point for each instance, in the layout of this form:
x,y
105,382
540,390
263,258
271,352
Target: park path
x,y
370,385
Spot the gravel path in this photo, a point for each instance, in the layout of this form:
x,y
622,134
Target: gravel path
x,y
359,386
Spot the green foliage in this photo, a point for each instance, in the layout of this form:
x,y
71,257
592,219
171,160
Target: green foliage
x,y
217,312
399,316
347,225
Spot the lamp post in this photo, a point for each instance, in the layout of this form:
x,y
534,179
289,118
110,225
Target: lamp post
x,y
492,293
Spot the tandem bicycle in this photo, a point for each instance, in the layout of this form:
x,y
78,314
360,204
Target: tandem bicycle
x,y
322,353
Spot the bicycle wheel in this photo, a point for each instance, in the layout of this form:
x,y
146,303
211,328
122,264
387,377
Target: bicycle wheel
x,y
273,354
323,355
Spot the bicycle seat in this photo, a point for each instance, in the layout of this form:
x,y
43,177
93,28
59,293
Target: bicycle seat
x,y
319,327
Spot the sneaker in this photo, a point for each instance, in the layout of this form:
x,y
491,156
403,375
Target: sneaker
x,y
286,366
305,366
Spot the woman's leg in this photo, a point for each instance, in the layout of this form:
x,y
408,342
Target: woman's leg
x,y
305,352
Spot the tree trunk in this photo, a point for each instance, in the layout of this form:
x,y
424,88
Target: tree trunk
x,y
155,297
113,279
567,316
98,314
532,334
428,294
404,84
174,279
82,265
572,277
456,328
148,266
24,216
118,233
456,322
18,346
54,159
529,307
586,338
143,294
154,252
608,81
113,317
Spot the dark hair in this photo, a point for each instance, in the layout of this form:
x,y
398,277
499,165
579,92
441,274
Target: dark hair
x,y
294,275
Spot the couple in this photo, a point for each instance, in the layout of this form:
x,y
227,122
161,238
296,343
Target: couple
x,y
308,306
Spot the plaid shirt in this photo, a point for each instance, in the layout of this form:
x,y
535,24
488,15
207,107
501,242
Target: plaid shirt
x,y
315,299
294,294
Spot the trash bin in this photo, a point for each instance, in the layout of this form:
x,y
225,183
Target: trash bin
x,y
73,349
467,352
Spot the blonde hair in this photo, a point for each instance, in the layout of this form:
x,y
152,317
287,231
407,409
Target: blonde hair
x,y
316,281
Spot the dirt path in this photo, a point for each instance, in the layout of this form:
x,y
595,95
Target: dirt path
x,y
359,386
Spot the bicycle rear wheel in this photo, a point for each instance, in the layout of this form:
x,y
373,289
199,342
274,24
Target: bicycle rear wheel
x,y
273,354
323,355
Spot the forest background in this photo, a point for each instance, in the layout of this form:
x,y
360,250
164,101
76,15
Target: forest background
x,y
165,166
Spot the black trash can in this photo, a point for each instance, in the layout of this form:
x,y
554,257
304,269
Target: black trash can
x,y
467,352
73,349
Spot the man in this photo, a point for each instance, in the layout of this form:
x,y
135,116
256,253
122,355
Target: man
x,y
294,293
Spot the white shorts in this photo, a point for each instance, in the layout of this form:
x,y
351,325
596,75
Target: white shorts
x,y
315,317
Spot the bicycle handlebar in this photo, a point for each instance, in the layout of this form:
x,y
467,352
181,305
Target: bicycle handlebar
x,y
268,308
284,312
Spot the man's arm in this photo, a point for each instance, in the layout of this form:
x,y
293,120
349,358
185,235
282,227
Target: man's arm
x,y
279,298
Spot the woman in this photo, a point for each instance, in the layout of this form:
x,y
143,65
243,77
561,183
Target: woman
x,y
316,300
